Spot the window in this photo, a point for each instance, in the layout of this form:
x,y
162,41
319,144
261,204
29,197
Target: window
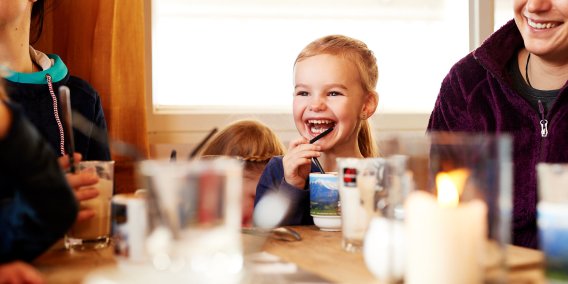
x,y
227,56
503,12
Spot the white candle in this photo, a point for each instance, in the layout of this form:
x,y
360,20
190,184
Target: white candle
x,y
445,238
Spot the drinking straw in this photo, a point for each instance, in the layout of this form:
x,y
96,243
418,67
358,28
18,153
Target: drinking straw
x,y
65,98
312,141
202,143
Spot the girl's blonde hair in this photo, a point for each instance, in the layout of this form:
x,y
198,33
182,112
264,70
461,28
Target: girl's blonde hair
x,y
249,140
357,52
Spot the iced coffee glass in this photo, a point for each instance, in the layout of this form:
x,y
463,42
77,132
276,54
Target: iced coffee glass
x,y
94,233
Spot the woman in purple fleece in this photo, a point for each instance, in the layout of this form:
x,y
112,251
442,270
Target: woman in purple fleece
x,y
516,82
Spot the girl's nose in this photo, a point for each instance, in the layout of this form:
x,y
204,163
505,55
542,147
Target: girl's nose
x,y
317,104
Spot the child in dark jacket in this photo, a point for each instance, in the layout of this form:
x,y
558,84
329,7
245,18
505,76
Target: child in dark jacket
x,y
334,87
37,204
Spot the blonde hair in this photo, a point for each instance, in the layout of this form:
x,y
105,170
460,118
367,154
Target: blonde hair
x,y
249,140
357,52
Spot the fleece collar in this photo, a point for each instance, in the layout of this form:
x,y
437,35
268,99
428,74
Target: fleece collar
x,y
497,50
50,63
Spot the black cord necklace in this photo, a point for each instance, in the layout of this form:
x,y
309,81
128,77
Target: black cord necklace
x,y
527,70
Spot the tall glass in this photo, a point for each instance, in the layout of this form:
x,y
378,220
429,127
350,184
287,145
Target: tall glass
x,y
360,180
384,247
552,219
94,233
195,216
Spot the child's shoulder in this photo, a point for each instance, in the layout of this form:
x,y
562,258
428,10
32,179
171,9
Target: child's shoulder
x,y
274,167
275,161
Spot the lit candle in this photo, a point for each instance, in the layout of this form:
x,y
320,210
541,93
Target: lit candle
x,y
445,237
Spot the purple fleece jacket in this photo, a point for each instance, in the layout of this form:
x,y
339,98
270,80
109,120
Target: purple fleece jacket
x,y
478,96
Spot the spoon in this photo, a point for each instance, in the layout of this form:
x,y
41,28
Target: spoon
x,y
278,233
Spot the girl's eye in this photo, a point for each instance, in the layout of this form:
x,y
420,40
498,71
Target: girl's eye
x,y
334,94
302,93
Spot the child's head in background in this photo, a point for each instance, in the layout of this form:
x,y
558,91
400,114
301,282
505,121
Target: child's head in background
x,y
252,142
335,80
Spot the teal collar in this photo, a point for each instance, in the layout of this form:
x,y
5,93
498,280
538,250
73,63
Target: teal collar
x,y
57,72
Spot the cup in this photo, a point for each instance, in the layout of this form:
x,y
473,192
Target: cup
x,y
325,206
552,218
360,182
94,233
195,217
129,226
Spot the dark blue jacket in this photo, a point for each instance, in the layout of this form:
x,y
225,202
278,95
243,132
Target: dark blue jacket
x,y
31,91
478,96
272,180
37,206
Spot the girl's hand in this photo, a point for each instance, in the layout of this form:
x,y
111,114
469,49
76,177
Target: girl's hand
x,y
297,161
81,184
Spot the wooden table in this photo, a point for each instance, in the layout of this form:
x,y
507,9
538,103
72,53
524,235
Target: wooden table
x,y
319,253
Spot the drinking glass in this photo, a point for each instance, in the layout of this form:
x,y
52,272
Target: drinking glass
x,y
195,217
360,180
94,233
552,218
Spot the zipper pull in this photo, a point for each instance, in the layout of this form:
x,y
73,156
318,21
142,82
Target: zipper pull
x,y
543,121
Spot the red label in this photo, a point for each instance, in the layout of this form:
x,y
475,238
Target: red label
x,y
350,177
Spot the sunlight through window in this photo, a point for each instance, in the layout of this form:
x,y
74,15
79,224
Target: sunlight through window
x,y
237,56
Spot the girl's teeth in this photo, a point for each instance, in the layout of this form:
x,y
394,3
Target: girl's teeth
x,y
320,121
317,130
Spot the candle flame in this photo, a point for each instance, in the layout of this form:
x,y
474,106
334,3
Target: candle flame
x,y
450,186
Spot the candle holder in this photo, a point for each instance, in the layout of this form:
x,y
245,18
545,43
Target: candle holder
x,y
457,217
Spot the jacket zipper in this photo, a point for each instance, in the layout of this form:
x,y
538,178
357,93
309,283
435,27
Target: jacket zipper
x,y
56,114
543,121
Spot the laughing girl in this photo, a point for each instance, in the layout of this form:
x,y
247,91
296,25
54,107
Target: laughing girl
x,y
334,86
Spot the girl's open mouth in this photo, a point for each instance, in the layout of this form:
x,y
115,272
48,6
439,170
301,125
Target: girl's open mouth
x,y
317,126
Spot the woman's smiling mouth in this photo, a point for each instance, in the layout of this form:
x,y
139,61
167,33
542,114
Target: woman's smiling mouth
x,y
542,25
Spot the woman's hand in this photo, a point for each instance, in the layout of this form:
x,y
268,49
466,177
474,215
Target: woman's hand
x,y
19,272
81,184
297,161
